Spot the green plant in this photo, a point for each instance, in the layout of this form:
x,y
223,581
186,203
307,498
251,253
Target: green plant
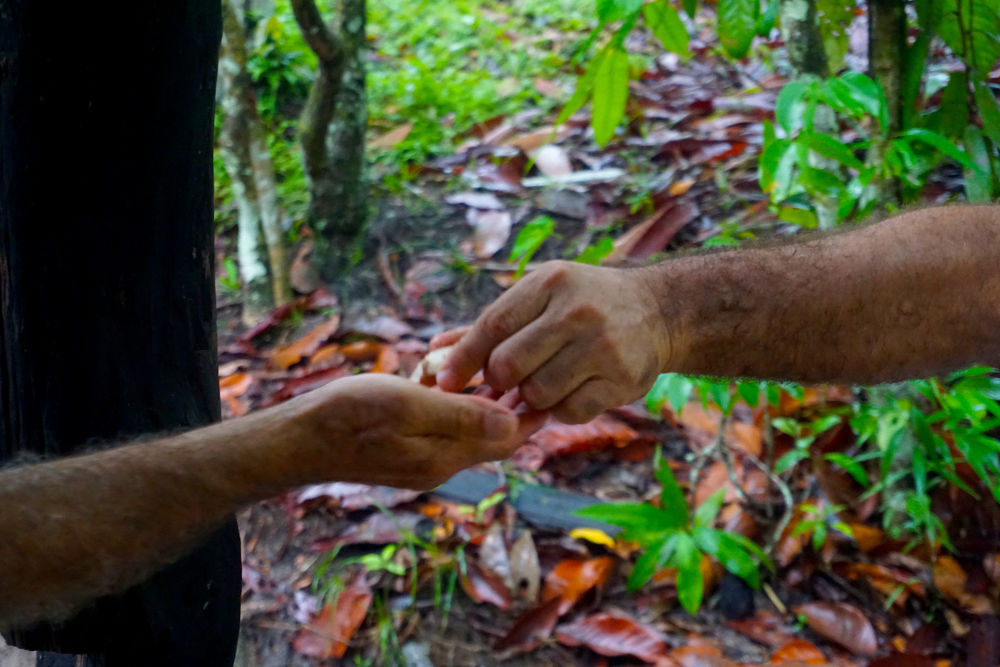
x,y
816,522
231,280
529,240
671,536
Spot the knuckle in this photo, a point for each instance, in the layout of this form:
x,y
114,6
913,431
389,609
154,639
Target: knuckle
x,y
496,323
535,394
584,313
556,274
503,371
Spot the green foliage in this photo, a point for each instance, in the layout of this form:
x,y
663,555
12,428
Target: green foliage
x,y
673,537
529,240
738,25
231,280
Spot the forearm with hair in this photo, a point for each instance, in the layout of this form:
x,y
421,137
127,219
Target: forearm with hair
x,y
912,296
81,527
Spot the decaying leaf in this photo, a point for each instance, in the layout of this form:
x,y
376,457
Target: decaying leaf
x,y
525,570
531,628
484,586
328,634
571,578
615,634
841,623
294,352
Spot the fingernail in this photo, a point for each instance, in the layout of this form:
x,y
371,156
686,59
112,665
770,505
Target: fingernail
x,y
445,378
500,425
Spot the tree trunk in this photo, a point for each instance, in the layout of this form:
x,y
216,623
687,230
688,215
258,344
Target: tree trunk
x,y
107,318
243,144
332,130
808,59
887,50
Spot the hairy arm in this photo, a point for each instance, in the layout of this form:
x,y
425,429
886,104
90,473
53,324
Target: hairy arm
x,y
915,295
77,528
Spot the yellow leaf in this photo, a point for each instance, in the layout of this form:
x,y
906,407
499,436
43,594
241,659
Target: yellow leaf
x,y
593,535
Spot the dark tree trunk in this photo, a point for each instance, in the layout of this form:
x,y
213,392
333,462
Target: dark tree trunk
x,y
106,280
887,52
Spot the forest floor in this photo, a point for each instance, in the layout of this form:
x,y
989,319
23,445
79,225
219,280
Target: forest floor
x,y
490,568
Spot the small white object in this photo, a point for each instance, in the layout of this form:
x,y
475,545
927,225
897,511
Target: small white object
x,y
431,364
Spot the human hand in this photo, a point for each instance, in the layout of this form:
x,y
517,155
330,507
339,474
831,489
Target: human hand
x,y
380,429
575,339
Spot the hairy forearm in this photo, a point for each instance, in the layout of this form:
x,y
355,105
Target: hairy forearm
x,y
77,528
913,296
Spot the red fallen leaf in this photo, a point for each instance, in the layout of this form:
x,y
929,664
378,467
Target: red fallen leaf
x,y
614,634
231,388
327,635
799,649
655,233
306,383
556,439
950,579
765,628
841,623
313,301
294,352
700,655
571,578
531,628
484,586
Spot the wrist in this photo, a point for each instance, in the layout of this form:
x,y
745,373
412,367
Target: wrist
x,y
660,293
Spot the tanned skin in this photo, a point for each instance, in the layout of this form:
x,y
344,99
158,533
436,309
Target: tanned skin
x,y
77,528
913,296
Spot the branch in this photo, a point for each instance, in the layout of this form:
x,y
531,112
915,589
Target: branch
x,y
327,45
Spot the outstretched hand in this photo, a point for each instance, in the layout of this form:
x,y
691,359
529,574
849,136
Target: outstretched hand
x,y
574,339
381,429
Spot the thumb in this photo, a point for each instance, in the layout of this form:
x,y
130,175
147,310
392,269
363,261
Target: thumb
x,y
463,417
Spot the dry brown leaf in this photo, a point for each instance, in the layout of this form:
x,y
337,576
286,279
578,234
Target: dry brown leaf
x,y
391,138
841,623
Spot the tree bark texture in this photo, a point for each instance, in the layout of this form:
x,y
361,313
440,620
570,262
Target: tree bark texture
x,y
107,319
243,144
887,55
332,129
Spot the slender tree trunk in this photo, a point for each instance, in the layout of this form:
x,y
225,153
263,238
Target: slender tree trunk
x,y
887,51
332,130
244,148
107,318
808,59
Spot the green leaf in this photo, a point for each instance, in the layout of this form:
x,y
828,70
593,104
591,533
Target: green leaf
x,y
854,468
584,86
668,27
790,107
672,388
708,510
529,240
979,43
819,182
690,585
788,461
737,25
610,92
594,254
986,101
734,558
691,7
672,498
765,24
952,116
869,94
641,522
942,144
831,147
749,392
978,186
834,18
652,560
609,11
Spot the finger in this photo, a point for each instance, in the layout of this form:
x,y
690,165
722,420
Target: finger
x,y
558,377
514,310
489,393
522,354
448,338
462,418
529,421
586,403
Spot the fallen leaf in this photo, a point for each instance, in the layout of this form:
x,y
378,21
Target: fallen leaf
x,y
594,536
306,383
549,89
613,635
316,300
655,233
950,579
484,586
557,439
291,354
866,537
553,161
232,388
379,528
351,496
532,141
764,627
571,578
391,138
492,229
801,650
486,201
525,570
700,656
531,628
328,634
841,623
678,188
